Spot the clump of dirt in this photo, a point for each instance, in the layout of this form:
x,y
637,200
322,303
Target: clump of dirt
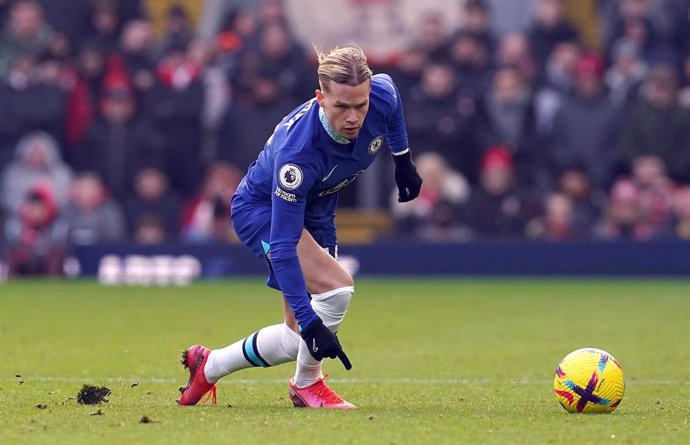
x,y
92,395
146,419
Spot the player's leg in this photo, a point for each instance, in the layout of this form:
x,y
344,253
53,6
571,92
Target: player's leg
x,y
266,347
331,289
269,346
279,343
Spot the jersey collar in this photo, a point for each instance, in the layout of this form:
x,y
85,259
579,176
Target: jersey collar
x,y
330,130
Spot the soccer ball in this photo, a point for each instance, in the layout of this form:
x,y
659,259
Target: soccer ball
x,y
589,381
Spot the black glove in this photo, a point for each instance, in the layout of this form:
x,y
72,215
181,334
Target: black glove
x,y
323,343
406,177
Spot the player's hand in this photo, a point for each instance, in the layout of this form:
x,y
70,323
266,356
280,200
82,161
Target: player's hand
x,y
406,177
323,343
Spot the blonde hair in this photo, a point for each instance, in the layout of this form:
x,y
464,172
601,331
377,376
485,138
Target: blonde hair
x,y
346,65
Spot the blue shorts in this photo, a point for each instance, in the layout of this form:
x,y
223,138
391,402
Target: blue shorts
x,y
252,224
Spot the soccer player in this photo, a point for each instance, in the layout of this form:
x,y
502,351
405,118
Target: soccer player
x,y
284,211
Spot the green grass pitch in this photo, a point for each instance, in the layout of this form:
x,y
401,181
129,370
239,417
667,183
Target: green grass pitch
x,y
435,361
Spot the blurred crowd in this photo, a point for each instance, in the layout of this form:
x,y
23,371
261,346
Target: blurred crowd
x,y
533,134
113,132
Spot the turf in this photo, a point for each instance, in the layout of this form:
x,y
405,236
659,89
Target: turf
x,y
435,361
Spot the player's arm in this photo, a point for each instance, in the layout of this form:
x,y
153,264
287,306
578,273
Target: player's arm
x,y
406,177
291,183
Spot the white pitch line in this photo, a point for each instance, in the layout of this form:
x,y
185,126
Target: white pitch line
x,y
354,381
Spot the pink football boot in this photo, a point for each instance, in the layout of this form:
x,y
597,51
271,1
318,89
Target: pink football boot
x,y
317,395
195,359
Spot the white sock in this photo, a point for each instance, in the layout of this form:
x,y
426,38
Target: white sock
x,y
331,308
266,347
308,369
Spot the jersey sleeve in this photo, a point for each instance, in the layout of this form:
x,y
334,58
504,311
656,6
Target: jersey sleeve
x,y
292,180
397,130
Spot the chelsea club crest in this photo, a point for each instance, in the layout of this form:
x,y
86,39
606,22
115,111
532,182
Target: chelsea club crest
x,y
375,145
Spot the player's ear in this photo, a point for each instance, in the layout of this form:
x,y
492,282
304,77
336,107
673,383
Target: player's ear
x,y
319,96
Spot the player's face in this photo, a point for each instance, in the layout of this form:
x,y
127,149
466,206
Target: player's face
x,y
345,106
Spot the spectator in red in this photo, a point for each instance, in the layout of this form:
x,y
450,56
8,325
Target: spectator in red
x,y
119,141
82,104
498,208
36,236
586,127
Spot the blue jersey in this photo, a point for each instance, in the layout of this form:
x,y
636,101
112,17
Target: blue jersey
x,y
299,172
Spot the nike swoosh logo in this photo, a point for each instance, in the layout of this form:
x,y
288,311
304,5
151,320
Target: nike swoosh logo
x,y
314,347
329,174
